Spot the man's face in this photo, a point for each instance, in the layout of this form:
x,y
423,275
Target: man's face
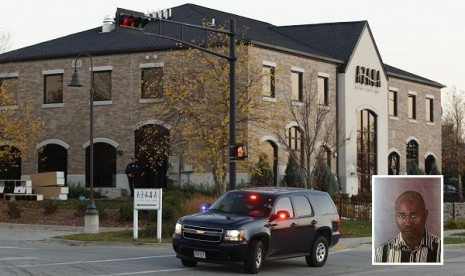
x,y
411,217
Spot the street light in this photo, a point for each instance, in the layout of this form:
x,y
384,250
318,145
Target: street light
x,y
91,218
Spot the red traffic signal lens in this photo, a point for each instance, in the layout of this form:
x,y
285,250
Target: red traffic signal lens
x,y
127,21
131,21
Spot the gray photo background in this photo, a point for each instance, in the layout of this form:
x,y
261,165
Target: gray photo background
x,y
385,191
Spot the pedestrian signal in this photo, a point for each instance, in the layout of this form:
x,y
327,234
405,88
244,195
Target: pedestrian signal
x,y
239,151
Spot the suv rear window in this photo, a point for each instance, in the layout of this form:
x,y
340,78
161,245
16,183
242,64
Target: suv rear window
x,y
325,204
302,206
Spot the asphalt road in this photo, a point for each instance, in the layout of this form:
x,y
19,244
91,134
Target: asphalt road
x,y
26,251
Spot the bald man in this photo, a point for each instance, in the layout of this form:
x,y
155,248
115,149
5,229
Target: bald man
x,y
414,244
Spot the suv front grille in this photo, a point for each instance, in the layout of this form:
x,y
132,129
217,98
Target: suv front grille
x,y
202,234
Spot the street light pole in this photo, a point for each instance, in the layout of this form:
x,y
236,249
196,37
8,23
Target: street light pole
x,y
91,217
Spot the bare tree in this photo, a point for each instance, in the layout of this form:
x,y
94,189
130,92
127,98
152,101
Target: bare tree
x,y
4,42
196,105
316,121
453,137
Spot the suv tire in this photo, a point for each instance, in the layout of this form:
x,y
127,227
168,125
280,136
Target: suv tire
x,y
318,253
188,263
254,259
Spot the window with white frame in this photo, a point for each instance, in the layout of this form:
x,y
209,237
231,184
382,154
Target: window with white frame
x,y
412,106
295,141
323,97
296,85
9,87
151,81
392,104
53,87
268,80
102,85
429,109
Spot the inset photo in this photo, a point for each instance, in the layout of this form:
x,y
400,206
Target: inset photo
x,y
407,220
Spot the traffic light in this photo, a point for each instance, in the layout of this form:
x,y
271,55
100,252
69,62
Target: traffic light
x,y
239,151
130,19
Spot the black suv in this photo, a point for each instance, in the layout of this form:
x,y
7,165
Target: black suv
x,y
249,225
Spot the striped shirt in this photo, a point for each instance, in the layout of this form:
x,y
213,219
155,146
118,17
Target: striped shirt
x,y
397,251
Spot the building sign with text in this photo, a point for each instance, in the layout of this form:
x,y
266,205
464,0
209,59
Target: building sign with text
x,y
147,199
367,76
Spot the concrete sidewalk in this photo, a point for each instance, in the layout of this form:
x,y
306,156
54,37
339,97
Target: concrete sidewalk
x,y
33,232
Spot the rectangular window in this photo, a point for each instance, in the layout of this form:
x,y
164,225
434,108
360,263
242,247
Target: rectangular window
x,y
392,103
412,108
323,98
297,86
8,91
429,110
53,88
102,85
268,81
152,83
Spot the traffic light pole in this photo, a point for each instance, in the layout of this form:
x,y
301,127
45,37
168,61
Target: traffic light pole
x,y
232,104
232,79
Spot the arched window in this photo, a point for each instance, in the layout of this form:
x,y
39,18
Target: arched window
x,y
366,148
430,162
294,136
10,162
412,155
53,157
151,146
104,165
393,163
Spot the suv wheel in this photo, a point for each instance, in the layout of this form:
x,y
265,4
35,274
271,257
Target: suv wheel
x,y
318,252
254,258
188,263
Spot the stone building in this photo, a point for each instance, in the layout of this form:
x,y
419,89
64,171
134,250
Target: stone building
x,y
386,119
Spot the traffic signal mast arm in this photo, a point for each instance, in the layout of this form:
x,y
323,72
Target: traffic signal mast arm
x,y
232,70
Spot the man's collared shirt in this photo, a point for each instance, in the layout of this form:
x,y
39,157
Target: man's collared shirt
x,y
397,251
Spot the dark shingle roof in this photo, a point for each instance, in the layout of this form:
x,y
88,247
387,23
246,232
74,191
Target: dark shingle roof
x,y
337,40
396,72
333,42
95,42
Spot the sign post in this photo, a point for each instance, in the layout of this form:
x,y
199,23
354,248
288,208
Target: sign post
x,y
147,199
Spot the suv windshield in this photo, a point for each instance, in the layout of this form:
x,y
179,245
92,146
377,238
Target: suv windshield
x,y
243,203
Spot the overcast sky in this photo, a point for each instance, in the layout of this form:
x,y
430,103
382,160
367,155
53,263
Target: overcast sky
x,y
424,37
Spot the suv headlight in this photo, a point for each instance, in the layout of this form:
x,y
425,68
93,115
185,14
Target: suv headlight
x,y
234,235
178,228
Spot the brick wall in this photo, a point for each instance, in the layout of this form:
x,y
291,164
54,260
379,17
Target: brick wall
x,y
401,129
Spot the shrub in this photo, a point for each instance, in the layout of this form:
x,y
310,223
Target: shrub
x,y
325,180
192,205
80,210
415,170
455,224
77,190
294,176
434,170
262,174
125,213
49,207
102,213
13,210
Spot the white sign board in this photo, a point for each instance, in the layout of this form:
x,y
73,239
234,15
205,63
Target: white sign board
x,y
147,199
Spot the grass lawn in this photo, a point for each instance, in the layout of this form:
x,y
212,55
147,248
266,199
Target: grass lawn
x,y
355,228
